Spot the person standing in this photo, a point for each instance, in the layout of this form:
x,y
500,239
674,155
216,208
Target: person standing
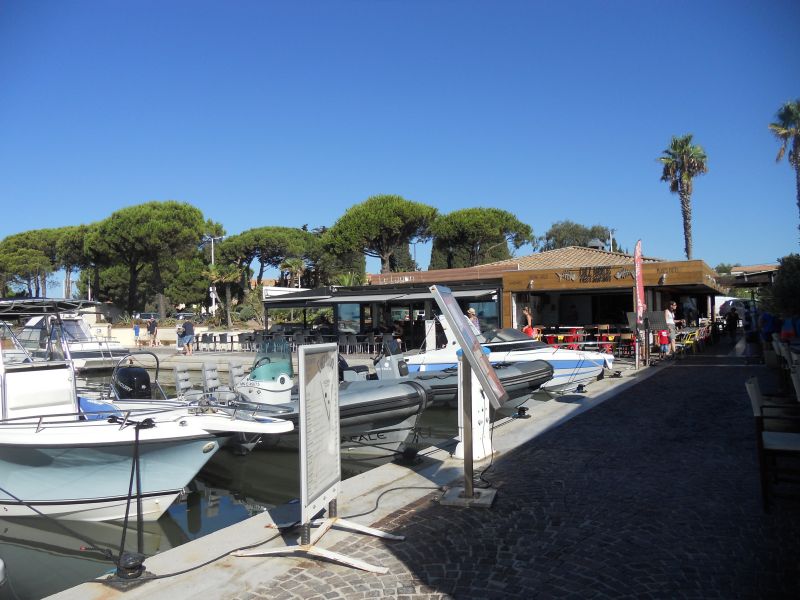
x,y
732,322
472,317
188,337
136,333
527,317
152,331
669,317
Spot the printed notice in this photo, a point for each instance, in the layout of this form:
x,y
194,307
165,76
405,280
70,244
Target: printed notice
x,y
319,427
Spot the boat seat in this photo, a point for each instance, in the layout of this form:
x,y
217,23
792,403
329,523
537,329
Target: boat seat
x,y
213,387
354,373
235,373
184,389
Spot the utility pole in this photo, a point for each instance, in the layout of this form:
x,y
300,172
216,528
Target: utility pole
x,y
212,291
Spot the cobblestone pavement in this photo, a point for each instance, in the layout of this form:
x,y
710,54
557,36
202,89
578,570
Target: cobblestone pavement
x,y
653,494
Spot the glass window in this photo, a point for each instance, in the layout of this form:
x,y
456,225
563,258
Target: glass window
x,y
349,316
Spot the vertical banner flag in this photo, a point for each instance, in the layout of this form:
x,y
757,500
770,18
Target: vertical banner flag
x,y
639,281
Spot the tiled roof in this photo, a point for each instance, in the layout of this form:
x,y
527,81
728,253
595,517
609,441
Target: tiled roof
x,y
571,257
754,268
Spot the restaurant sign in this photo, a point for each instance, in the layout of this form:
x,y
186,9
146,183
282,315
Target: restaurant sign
x,y
591,275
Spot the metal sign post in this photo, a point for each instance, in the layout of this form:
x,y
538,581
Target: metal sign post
x,y
473,361
320,464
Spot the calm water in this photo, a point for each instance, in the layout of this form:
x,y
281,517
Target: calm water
x,y
43,557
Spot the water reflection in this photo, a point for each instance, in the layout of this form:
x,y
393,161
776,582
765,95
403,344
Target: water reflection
x,y
44,556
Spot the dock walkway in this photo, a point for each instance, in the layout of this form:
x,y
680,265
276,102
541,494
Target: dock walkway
x,y
651,494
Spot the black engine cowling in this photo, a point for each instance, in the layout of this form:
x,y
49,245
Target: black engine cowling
x,y
133,383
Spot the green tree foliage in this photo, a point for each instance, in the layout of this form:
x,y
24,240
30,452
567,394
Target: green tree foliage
x,y
474,236
787,130
227,275
349,279
683,161
187,283
292,270
155,234
22,248
401,260
568,233
725,268
785,290
379,225
273,245
325,264
25,268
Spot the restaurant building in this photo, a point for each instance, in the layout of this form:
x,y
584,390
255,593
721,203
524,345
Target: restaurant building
x,y
567,286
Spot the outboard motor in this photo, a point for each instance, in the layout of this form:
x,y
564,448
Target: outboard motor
x,y
132,383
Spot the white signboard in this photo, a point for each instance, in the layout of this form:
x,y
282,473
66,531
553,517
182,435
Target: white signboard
x,y
468,341
320,467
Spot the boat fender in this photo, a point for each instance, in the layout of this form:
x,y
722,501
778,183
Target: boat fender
x,y
2,572
426,394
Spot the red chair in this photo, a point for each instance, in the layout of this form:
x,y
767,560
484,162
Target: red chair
x,y
550,340
570,341
607,348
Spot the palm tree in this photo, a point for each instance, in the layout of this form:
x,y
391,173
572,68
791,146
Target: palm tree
x,y
348,279
226,274
787,130
295,267
682,162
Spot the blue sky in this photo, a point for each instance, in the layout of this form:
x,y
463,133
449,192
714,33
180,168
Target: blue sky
x,y
285,113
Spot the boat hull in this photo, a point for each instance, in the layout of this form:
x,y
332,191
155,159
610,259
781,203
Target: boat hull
x,y
80,479
375,418
570,368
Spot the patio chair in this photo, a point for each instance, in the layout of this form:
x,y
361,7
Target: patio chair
x,y
370,343
353,343
206,341
245,342
625,344
343,343
224,341
298,339
775,448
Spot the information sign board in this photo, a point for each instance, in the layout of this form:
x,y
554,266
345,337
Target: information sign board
x,y
320,467
468,341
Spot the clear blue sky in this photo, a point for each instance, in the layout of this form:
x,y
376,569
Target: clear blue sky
x,y
284,113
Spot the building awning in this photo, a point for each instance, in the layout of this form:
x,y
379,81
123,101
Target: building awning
x,y
309,300
456,294
358,298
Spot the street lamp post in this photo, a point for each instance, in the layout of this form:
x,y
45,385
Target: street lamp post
x,y
213,289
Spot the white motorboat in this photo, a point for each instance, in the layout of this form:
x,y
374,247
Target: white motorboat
x,y
87,351
60,460
571,368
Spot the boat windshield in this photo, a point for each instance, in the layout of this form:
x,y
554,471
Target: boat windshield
x,y
12,350
76,330
273,358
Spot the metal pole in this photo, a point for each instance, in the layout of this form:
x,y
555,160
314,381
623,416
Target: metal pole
x,y
466,391
214,293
